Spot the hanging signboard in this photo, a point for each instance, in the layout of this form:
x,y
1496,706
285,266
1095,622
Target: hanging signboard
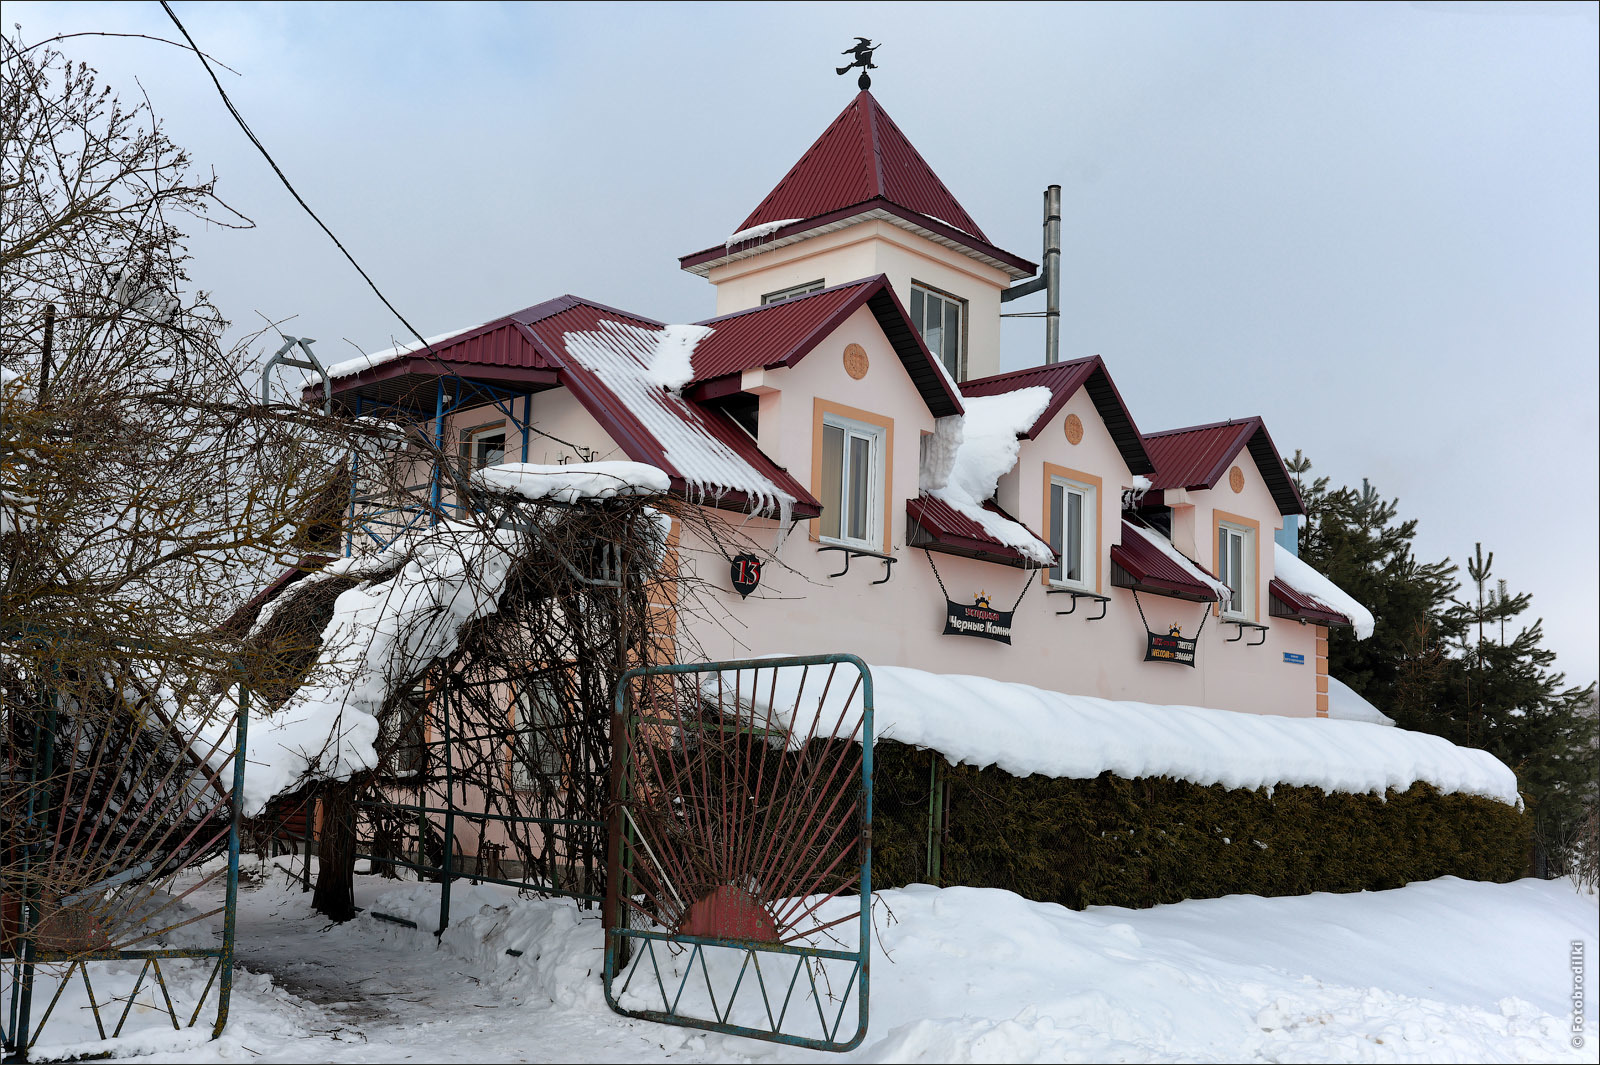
x,y
1170,648
745,574
977,619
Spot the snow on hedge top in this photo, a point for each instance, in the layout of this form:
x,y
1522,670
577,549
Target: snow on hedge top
x,y
757,232
1308,582
577,481
383,633
970,452
1025,730
367,362
635,364
1165,546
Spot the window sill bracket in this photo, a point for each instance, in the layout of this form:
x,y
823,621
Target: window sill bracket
x,y
1103,600
861,552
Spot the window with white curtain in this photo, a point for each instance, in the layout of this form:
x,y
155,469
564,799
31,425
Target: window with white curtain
x,y
852,482
1072,533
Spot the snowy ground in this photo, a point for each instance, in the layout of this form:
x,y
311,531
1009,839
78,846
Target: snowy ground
x,y
1448,970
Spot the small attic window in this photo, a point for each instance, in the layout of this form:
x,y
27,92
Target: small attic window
x,y
942,320
790,293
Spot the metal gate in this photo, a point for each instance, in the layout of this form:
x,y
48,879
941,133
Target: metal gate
x,y
740,865
118,817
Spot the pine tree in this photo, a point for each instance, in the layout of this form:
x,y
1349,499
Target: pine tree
x,y
1353,537
1518,709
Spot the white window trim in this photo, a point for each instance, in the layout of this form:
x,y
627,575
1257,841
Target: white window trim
x,y
1090,537
873,541
793,291
959,371
471,436
1248,567
522,777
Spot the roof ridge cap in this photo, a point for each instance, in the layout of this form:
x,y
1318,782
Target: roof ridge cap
x,y
1224,424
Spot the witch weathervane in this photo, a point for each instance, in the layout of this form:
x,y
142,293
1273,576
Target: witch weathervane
x,y
862,50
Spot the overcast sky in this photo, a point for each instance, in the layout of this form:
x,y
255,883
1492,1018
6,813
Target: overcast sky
x,y
1375,225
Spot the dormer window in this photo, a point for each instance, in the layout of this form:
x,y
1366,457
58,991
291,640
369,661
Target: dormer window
x,y
796,290
942,320
852,481
1236,567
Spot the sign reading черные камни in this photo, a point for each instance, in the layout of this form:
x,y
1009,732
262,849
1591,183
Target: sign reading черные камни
x,y
977,619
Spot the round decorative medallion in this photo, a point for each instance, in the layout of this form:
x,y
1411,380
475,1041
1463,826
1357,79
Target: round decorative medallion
x,y
1074,427
855,361
1236,479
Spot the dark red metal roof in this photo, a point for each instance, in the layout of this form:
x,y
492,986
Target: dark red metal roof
x,y
861,156
937,526
243,619
495,352
1288,603
862,161
1063,379
622,422
1138,564
1198,456
781,334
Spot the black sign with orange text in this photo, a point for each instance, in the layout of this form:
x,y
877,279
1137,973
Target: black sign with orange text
x,y
1170,648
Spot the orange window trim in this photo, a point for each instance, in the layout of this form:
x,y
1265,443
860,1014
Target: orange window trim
x,y
1218,517
823,407
1068,474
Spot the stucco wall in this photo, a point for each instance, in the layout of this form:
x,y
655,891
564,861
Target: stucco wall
x,y
801,608
866,250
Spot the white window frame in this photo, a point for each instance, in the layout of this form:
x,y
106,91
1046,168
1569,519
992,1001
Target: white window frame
x,y
878,436
1245,592
470,439
1088,535
927,292
527,742
794,291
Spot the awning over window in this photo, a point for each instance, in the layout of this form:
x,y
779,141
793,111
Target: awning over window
x,y
1288,603
1139,564
937,526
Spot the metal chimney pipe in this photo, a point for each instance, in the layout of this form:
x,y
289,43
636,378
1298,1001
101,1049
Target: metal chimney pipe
x,y
1052,274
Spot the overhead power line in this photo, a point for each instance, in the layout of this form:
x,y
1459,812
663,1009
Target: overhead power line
x,y
248,132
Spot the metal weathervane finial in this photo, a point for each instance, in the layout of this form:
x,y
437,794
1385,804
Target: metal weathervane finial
x,y
862,50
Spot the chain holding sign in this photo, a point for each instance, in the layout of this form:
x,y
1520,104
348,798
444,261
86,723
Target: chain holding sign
x,y
1173,646
978,618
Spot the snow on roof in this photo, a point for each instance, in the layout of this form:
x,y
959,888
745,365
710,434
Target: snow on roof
x,y
969,453
350,367
1025,730
1165,546
621,357
1345,705
671,365
382,633
576,481
762,230
1308,582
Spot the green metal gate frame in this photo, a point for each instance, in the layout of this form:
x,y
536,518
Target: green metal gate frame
x,y
621,939
18,1031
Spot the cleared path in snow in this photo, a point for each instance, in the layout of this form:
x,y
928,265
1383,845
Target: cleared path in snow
x,y
1441,971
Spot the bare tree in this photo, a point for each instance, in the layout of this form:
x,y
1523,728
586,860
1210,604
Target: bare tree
x,y
140,486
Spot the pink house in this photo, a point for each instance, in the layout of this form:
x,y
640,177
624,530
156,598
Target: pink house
x,y
843,418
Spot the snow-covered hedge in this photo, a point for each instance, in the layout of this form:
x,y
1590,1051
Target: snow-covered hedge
x,y
1140,842
1024,730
